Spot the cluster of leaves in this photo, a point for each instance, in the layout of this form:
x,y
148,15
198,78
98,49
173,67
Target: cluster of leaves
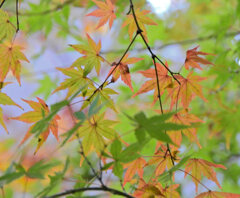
x,y
97,135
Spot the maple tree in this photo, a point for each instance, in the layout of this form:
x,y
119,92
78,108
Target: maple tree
x,y
118,117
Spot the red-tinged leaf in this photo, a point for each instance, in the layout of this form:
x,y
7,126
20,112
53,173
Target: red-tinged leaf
x,y
163,159
91,56
184,118
164,81
199,167
193,60
215,194
188,89
123,70
142,21
134,167
169,191
105,11
147,190
41,110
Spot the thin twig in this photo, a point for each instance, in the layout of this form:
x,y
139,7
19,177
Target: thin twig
x,y
101,86
154,57
195,179
17,4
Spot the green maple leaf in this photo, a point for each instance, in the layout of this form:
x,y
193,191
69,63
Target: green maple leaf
x,y
77,79
95,132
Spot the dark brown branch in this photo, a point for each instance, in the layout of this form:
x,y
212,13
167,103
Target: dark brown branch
x,y
17,13
124,54
2,3
154,57
105,188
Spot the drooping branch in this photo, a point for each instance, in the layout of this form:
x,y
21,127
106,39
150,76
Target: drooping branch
x,y
2,3
118,63
154,57
104,188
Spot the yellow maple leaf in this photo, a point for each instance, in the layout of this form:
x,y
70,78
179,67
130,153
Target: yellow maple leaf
x,y
75,81
7,29
11,57
5,100
142,21
91,56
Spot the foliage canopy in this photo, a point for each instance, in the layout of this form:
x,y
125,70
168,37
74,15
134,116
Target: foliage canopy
x,y
119,98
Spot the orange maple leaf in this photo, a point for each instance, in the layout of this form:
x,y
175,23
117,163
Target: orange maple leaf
x,y
163,158
184,118
41,110
123,70
142,21
188,89
199,167
105,12
147,190
134,167
11,57
215,194
169,191
164,81
193,60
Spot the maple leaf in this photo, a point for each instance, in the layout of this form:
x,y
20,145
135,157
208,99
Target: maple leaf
x,y
215,194
105,12
75,82
91,56
10,56
164,81
41,110
95,131
184,118
199,167
142,21
134,167
188,89
5,100
103,95
123,70
7,29
169,191
163,159
193,60
147,190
